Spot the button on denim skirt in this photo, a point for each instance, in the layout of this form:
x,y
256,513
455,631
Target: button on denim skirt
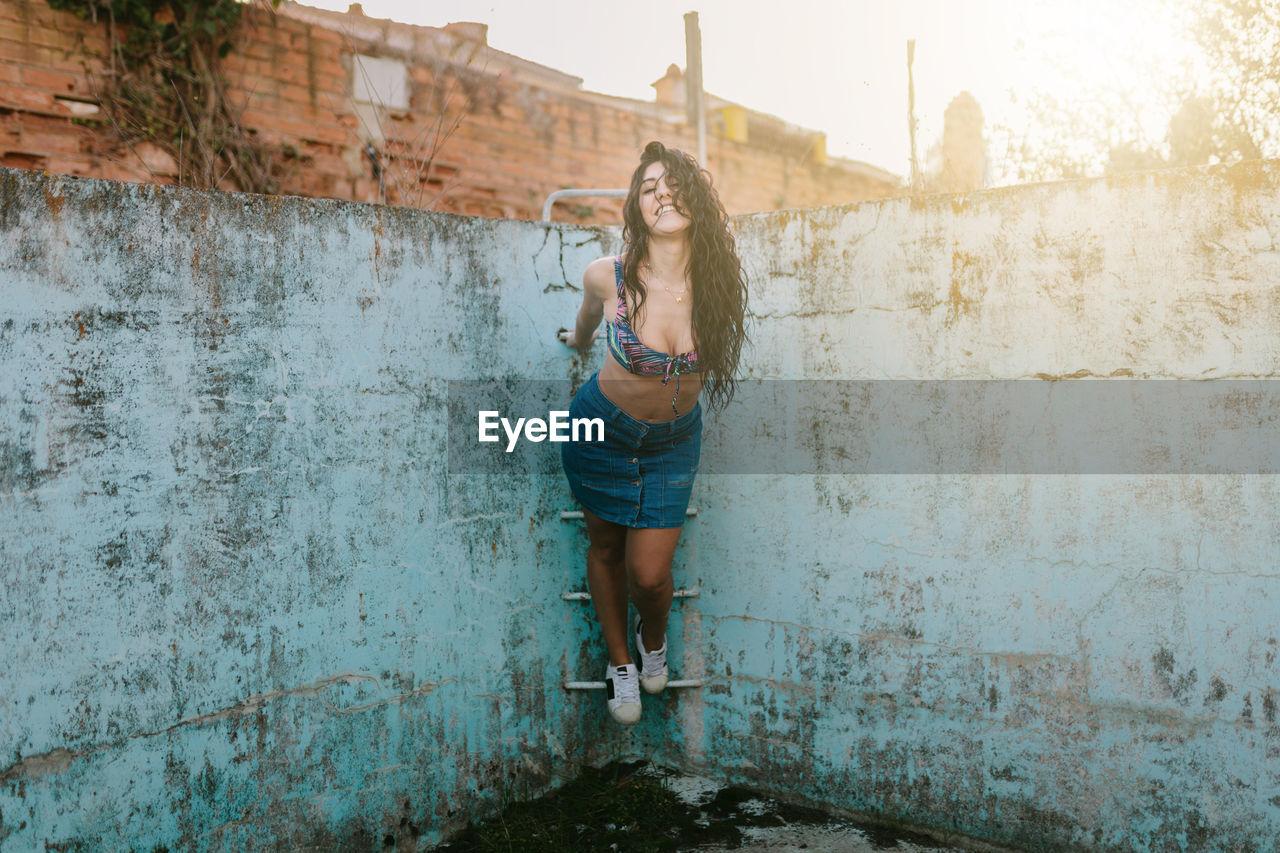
x,y
641,474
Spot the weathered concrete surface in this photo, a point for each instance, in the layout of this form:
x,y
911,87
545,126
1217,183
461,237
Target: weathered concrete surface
x,y
246,604
1056,662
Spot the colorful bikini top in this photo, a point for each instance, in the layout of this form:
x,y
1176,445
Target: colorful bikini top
x,y
638,358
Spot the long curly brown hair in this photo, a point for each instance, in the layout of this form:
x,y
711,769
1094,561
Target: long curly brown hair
x,y
715,273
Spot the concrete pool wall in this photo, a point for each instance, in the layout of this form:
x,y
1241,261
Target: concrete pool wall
x,y
248,604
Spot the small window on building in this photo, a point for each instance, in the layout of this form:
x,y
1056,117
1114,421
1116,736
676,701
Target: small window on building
x,y
380,81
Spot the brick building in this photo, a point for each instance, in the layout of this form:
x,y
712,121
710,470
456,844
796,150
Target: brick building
x,y
378,111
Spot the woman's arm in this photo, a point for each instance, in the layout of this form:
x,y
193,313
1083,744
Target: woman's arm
x,y
597,282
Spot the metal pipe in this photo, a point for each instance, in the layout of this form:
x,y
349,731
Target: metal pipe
x,y
694,100
586,596
599,685
559,194
576,514
911,115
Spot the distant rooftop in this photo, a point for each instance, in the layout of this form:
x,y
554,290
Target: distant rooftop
x,y
467,42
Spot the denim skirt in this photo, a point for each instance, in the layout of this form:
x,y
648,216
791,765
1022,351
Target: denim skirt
x,y
641,474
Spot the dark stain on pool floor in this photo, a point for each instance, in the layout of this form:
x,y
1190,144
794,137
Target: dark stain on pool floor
x,y
637,808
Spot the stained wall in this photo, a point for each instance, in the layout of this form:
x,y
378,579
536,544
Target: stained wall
x,y
248,601
244,602
1059,661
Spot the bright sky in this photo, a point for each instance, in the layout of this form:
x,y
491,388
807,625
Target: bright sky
x,y
838,66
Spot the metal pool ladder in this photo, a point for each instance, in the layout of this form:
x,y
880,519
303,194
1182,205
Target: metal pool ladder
x,y
578,595
559,194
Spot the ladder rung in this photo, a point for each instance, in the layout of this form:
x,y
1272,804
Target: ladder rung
x,y
586,596
571,514
599,685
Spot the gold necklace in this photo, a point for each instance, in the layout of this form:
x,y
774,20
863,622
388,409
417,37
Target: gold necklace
x,y
679,297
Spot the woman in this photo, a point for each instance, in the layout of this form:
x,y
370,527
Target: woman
x,y
673,306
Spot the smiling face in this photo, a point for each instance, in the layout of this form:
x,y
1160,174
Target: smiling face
x,y
657,203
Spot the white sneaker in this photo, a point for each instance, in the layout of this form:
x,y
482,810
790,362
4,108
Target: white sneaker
x,y
623,688
653,665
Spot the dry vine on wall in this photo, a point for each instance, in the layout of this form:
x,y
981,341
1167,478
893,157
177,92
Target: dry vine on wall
x,y
161,84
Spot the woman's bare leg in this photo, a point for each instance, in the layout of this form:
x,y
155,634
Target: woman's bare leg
x,y
648,562
607,581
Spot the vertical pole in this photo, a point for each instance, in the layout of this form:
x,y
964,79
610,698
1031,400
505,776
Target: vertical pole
x,y
911,115
694,102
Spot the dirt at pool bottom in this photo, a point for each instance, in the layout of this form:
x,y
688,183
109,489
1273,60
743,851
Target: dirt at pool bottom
x,y
637,808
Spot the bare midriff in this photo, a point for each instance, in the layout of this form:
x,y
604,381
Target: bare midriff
x,y
646,398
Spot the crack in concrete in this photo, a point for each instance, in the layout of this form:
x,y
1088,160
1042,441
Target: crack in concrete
x,y
533,261
425,689
774,684
1020,658
30,493
1170,719
60,759
497,516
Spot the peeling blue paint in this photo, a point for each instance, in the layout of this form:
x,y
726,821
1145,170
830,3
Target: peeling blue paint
x,y
246,603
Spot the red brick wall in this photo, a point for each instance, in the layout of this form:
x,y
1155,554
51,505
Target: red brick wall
x,y
514,142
